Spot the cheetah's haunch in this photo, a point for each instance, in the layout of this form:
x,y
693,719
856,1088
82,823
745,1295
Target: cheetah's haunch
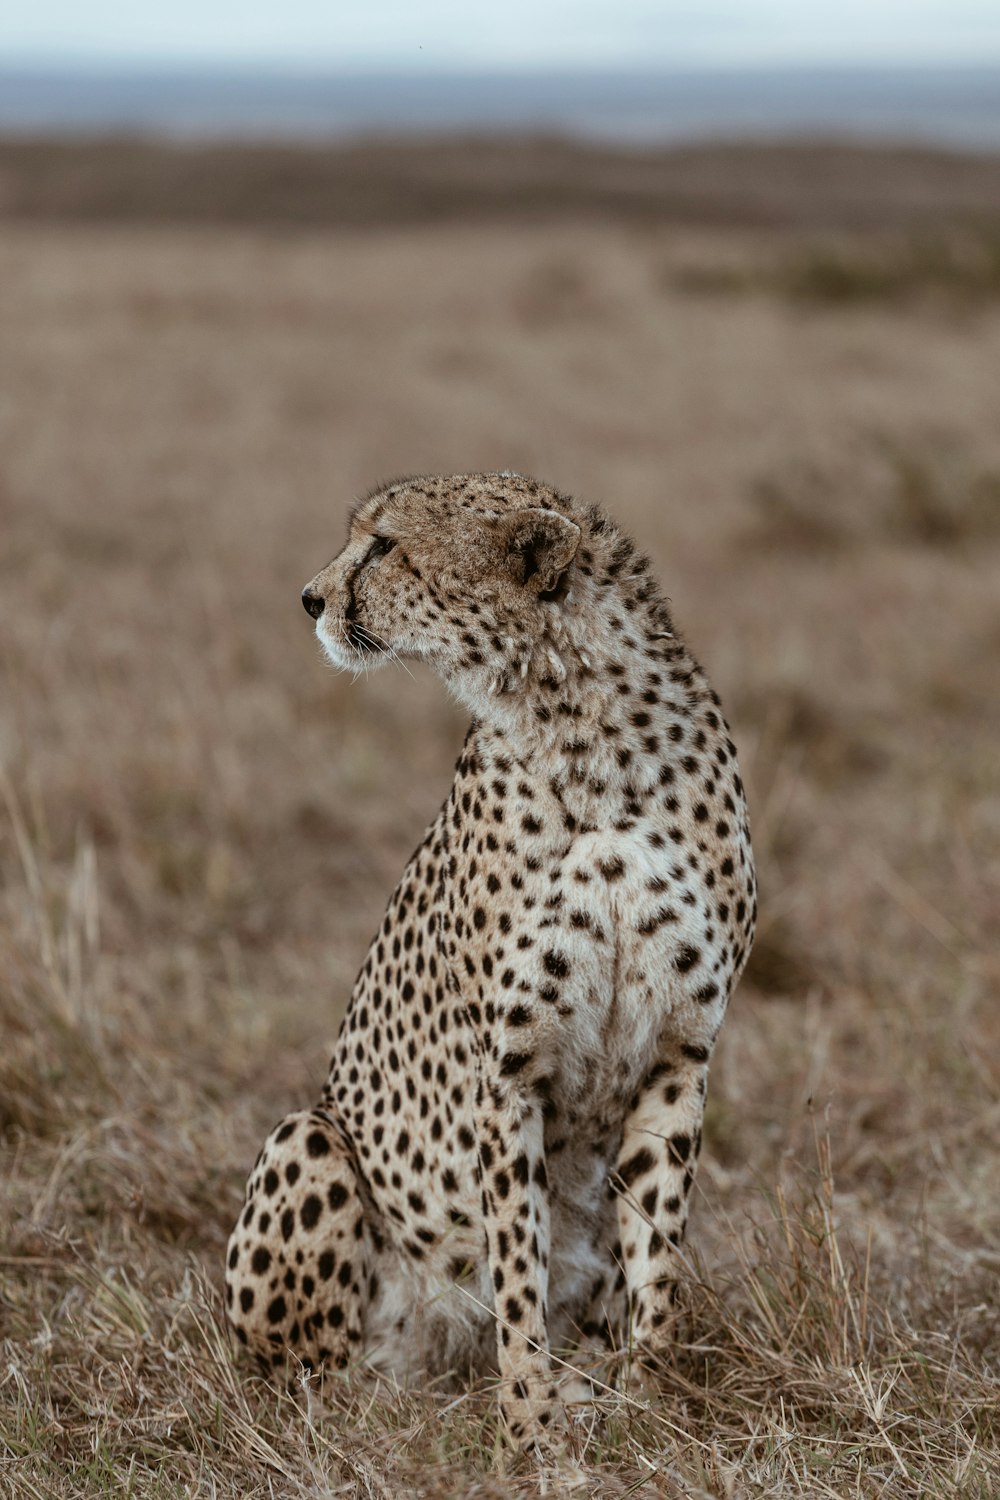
x,y
501,1161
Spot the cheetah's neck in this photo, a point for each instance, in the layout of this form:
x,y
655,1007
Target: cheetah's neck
x,y
601,705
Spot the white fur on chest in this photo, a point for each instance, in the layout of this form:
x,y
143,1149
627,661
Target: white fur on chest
x,y
611,1039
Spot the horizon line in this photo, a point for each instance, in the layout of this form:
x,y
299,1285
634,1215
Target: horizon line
x,y
297,66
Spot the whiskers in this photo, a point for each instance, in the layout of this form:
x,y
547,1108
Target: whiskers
x,y
369,638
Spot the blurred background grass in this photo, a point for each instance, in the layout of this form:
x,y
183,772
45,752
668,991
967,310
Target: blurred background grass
x,y
776,363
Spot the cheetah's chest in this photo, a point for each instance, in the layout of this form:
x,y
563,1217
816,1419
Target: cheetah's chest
x,y
624,1001
556,940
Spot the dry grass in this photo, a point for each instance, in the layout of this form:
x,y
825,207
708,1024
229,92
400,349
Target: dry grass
x,y
199,826
820,184
954,271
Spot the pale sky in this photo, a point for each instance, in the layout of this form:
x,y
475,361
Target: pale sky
x,y
433,35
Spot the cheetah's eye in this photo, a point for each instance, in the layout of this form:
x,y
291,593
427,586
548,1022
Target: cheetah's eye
x,y
379,547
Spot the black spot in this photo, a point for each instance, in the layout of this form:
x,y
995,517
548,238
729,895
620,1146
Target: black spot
x,y
636,1166
337,1196
317,1143
686,958
311,1210
276,1310
680,1148
260,1260
650,925
556,964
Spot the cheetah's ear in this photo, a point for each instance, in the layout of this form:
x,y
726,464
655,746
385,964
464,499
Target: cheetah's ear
x,y
541,544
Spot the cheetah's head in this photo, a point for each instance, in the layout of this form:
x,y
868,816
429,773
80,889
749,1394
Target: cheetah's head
x,y
468,573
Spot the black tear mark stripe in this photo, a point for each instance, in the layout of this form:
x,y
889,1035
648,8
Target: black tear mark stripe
x,y
351,609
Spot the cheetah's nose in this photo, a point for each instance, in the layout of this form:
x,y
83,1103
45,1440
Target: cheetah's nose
x,y
312,603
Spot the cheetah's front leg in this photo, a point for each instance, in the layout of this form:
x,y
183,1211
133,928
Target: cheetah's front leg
x,y
516,1213
656,1166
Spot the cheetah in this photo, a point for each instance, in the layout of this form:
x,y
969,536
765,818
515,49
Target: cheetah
x,y
501,1161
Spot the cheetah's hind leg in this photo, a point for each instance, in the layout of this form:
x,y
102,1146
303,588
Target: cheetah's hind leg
x,y
298,1259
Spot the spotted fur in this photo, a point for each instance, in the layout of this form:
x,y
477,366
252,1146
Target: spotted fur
x,y
502,1159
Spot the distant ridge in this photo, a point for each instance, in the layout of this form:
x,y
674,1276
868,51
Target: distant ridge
x,y
950,106
809,185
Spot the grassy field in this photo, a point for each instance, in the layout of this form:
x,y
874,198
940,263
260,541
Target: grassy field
x,y
200,823
379,182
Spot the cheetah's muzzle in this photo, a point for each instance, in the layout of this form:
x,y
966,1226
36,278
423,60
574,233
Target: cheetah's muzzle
x,y
360,639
